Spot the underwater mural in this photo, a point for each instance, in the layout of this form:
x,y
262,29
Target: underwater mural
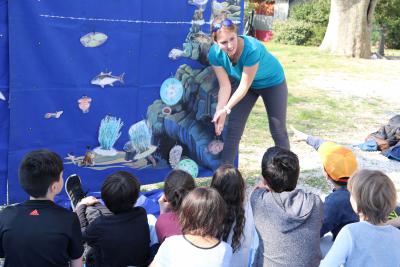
x,y
112,86
177,131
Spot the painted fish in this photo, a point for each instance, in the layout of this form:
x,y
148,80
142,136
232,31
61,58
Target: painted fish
x,y
105,78
55,115
93,39
2,97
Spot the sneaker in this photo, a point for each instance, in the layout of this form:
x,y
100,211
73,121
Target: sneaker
x,y
73,187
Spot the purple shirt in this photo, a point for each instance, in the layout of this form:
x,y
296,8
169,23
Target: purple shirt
x,y
167,225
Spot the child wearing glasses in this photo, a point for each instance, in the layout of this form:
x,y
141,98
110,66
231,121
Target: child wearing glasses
x,y
258,72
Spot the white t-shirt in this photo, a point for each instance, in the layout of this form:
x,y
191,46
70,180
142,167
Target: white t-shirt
x,y
176,251
364,244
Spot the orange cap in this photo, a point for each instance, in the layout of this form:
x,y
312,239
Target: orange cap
x,y
339,161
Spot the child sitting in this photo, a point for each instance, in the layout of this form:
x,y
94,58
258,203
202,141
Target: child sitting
x,y
238,223
370,242
339,164
288,220
177,184
38,232
201,216
121,238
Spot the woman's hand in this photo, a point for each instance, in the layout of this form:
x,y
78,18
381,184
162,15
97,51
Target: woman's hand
x,y
219,121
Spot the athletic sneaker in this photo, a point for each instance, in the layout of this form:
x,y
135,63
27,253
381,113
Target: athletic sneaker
x,y
73,187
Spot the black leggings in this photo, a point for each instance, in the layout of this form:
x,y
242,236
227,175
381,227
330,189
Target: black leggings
x,y
275,102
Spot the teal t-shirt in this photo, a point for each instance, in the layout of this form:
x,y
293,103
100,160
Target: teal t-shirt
x,y
269,73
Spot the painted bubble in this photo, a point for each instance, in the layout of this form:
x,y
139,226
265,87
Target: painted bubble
x,y
189,166
171,91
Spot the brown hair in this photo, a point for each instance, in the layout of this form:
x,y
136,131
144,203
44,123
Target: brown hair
x,y
374,193
202,212
219,19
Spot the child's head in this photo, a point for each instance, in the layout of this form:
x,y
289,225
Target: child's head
x,y
120,192
373,195
230,184
177,185
39,170
280,169
202,212
339,162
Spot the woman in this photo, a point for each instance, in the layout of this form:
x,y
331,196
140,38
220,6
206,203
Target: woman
x,y
238,225
259,74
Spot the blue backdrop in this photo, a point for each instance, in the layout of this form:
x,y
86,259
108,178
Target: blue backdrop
x,y
44,68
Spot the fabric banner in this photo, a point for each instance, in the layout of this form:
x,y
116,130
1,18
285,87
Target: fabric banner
x,y
109,85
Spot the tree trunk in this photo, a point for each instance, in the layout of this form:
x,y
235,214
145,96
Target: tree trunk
x,y
349,28
381,50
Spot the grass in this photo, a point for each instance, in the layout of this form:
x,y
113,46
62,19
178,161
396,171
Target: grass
x,y
309,107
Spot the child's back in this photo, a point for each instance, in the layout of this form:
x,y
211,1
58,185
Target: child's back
x,y
120,239
370,242
288,220
288,224
123,238
39,233
367,245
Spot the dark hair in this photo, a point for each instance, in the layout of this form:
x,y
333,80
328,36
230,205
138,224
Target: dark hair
x,y
39,169
120,191
374,193
177,185
230,184
202,212
280,169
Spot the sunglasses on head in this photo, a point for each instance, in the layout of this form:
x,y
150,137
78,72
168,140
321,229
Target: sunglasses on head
x,y
217,26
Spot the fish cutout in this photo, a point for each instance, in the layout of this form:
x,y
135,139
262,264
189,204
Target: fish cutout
x,y
72,158
2,97
55,115
175,156
93,39
105,78
175,53
84,103
215,147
